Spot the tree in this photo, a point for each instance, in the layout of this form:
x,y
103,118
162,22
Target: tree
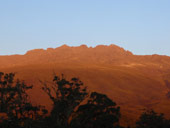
x,y
151,119
98,112
15,104
66,95
73,106
70,109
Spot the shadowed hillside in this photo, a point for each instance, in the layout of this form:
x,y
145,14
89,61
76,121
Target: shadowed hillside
x,y
134,82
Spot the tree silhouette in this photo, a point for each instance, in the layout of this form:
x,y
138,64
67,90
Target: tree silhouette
x,y
98,112
15,104
66,95
73,106
150,119
70,109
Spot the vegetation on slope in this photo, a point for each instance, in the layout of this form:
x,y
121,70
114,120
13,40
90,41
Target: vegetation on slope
x,y
73,107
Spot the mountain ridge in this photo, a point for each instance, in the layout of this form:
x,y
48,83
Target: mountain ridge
x,y
135,82
98,54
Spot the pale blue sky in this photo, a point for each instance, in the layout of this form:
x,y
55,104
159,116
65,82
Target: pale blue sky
x,y
141,26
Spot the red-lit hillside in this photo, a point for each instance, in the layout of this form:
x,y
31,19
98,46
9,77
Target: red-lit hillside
x,y
134,82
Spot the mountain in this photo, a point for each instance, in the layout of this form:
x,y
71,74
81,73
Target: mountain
x,y
134,82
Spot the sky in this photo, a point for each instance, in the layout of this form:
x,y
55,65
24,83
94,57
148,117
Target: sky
x,y
141,26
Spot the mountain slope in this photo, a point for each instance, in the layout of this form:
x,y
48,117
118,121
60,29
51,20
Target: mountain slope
x,y
134,82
